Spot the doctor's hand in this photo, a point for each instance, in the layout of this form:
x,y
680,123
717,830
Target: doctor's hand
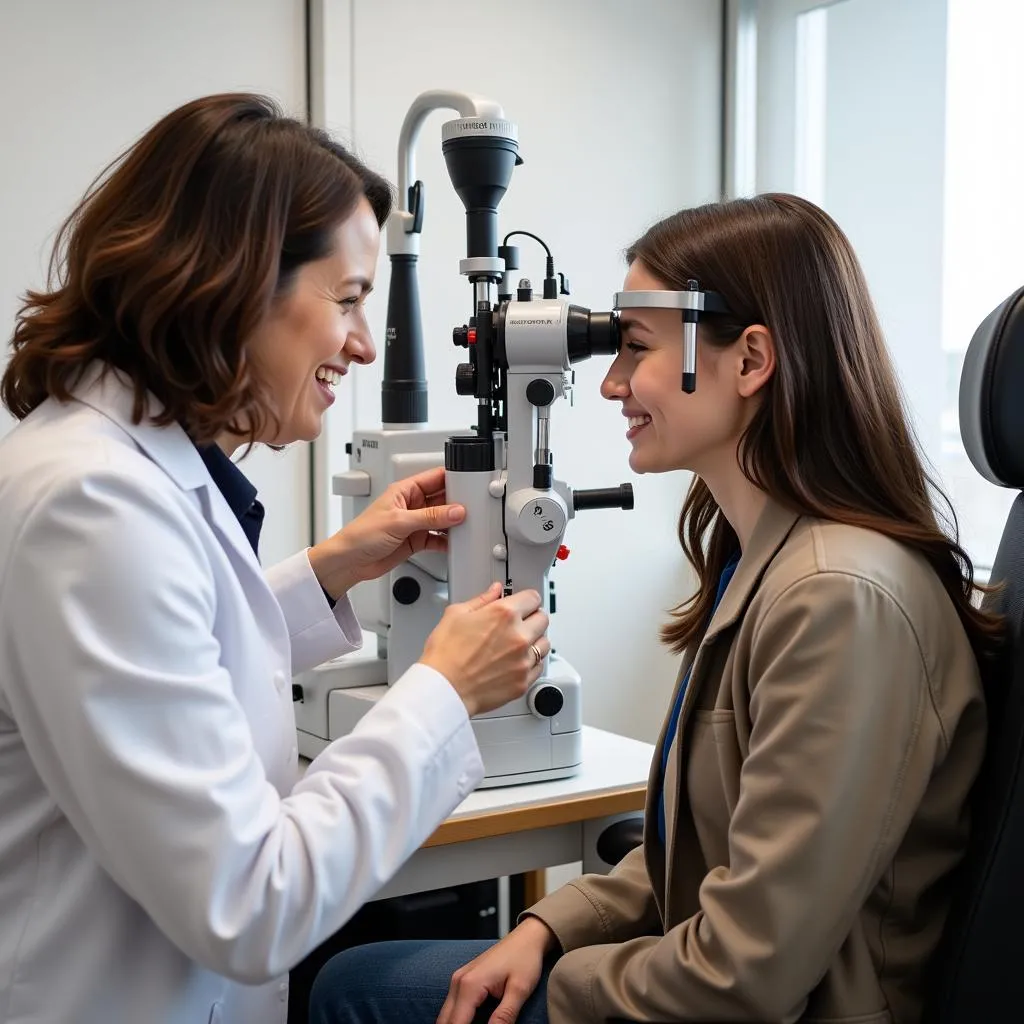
x,y
508,971
407,518
485,647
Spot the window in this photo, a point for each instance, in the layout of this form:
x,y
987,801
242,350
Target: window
x,y
983,235
900,119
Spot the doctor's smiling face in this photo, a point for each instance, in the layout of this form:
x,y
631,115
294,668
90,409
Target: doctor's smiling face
x,y
316,329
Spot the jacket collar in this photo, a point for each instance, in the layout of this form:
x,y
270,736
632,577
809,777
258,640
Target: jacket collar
x,y
773,526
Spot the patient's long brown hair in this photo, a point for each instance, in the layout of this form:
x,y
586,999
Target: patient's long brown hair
x,y
831,438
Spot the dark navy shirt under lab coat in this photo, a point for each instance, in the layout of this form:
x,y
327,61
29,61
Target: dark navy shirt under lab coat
x,y
238,492
240,495
723,582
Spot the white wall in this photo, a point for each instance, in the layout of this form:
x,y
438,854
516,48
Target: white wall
x,y
618,106
80,82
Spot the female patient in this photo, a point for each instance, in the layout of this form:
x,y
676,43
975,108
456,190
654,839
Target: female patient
x,y
808,801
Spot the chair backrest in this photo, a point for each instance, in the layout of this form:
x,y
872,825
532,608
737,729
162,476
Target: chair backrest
x,y
979,973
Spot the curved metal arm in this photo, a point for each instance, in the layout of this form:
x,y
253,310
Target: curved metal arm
x,y
466,104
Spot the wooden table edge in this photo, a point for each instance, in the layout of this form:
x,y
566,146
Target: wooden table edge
x,y
566,811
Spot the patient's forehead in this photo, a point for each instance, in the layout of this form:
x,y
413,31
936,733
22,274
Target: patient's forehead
x,y
640,279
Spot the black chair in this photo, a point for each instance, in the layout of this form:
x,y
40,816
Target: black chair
x,y
619,838
978,974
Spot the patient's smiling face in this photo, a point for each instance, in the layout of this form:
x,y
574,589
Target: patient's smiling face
x,y
667,428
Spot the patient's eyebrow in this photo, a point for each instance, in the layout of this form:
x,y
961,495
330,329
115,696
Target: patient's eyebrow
x,y
631,323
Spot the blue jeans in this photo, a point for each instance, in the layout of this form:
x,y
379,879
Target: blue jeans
x,y
403,983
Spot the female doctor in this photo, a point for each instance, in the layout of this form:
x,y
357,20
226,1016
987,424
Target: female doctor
x,y
161,860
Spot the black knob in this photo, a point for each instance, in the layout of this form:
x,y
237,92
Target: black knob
x,y
406,590
540,392
548,701
604,497
470,453
460,336
465,379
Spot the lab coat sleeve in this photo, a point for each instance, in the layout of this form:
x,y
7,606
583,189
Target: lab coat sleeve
x,y
107,607
317,632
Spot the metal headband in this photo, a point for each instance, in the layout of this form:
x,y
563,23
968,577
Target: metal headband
x,y
691,304
706,302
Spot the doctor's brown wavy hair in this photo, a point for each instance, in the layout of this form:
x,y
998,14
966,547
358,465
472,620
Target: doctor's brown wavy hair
x,y
174,256
830,438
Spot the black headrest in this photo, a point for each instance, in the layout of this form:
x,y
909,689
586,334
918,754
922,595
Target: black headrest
x,y
992,395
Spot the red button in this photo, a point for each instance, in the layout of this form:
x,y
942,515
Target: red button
x,y
471,336
562,553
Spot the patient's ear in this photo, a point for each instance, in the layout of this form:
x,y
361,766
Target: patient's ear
x,y
755,359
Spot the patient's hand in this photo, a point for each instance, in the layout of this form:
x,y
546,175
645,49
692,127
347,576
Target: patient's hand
x,y
509,971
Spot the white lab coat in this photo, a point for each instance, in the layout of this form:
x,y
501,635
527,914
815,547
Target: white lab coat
x,y
161,861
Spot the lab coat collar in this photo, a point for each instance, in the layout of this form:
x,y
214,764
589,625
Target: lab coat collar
x,y
110,393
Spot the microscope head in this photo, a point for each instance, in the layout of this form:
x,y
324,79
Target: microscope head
x,y
552,335
480,153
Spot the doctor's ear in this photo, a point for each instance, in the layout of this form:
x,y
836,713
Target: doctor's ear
x,y
755,355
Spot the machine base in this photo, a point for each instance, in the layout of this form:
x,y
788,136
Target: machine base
x,y
494,781
517,746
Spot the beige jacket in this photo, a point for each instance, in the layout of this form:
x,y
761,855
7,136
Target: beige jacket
x,y
831,730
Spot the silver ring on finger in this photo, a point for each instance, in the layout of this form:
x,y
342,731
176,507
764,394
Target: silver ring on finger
x,y
537,655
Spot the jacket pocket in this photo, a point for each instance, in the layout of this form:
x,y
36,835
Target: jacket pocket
x,y
217,1013
720,721
713,765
